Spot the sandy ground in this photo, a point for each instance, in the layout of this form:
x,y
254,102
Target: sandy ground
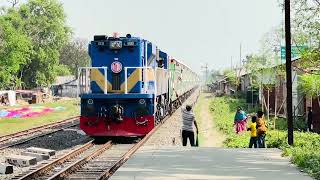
x,y
169,134
160,162
207,163
210,136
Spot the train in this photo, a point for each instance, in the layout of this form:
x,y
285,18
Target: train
x,y
130,86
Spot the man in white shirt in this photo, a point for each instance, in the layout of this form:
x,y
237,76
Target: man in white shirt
x,y
188,119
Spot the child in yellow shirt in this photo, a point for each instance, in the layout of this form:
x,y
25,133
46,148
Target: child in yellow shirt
x,y
253,134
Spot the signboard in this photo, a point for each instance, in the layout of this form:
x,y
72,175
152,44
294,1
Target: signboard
x,y
295,51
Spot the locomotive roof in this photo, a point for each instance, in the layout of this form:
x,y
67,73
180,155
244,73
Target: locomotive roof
x,y
103,37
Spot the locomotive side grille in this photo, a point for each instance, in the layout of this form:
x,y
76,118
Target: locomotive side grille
x,y
116,81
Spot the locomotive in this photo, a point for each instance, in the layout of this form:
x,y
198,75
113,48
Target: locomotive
x,y
130,86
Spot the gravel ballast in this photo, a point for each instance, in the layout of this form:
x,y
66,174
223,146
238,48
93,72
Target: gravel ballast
x,y
61,141
169,134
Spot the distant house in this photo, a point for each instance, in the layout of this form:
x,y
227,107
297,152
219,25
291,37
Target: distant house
x,y
223,86
65,86
8,98
272,95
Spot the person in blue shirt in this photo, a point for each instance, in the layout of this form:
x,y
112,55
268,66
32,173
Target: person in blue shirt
x,y
240,120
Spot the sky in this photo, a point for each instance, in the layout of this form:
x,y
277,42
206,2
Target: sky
x,y
193,31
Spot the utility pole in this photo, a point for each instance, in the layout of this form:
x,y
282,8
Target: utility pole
x,y
288,71
231,64
240,54
206,73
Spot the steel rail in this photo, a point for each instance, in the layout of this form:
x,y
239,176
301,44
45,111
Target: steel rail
x,y
78,164
131,151
36,129
38,172
115,165
4,146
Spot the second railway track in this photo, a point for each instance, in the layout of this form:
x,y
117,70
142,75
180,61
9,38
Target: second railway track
x,y
9,140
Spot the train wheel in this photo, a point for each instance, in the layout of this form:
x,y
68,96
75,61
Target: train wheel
x,y
176,105
170,109
158,117
140,137
166,108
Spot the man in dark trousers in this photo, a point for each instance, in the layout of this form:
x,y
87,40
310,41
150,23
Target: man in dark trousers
x,y
188,119
309,121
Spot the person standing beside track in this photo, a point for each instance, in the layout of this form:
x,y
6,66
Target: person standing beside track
x,y
240,120
188,119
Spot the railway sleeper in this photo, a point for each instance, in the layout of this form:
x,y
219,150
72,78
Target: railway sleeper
x,y
48,152
19,160
38,156
6,168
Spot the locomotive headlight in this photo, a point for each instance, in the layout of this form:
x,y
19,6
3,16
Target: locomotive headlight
x,y
115,45
90,101
142,101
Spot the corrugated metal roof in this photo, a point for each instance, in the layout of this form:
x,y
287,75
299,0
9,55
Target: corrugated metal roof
x,y
63,80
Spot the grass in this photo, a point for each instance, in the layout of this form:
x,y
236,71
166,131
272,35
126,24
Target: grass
x,y
306,149
12,125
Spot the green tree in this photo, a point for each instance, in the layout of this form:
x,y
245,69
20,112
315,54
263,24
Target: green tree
x,y
253,66
74,55
214,76
63,70
232,76
14,52
306,25
44,23
306,14
309,84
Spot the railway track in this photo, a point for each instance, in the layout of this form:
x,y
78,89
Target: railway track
x,y
90,161
33,133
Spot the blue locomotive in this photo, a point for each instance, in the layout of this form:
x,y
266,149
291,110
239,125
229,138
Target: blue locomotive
x,y
130,86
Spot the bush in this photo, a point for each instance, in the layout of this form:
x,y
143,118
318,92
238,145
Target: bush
x,y
299,124
306,149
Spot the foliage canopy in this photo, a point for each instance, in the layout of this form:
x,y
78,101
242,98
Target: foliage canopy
x,y
36,45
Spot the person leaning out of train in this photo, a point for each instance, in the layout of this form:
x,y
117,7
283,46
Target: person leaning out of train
x,y
262,128
188,119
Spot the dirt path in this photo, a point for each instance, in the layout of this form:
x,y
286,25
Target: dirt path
x,y
209,135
